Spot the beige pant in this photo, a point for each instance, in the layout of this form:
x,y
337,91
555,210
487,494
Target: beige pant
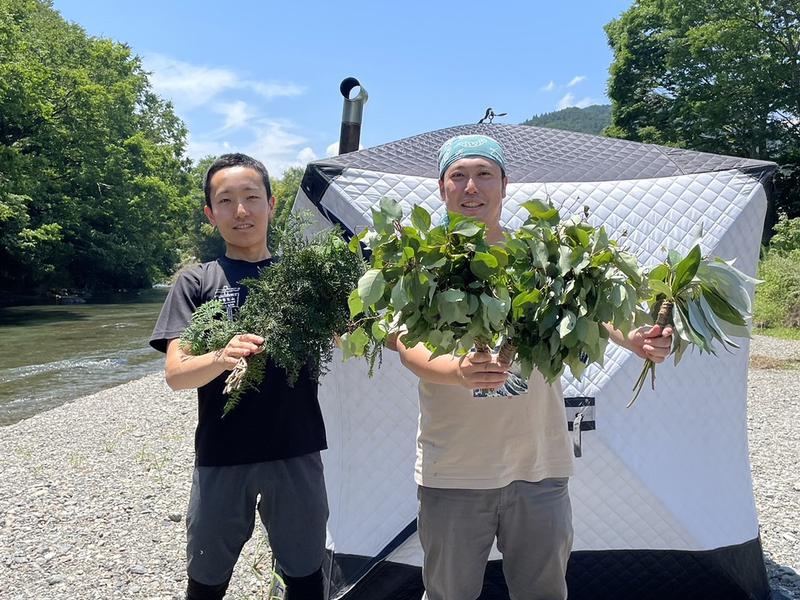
x,y
533,526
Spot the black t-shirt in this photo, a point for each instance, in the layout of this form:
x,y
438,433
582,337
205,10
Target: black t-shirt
x,y
271,423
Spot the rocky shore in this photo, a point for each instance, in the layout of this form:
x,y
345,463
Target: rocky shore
x,y
93,493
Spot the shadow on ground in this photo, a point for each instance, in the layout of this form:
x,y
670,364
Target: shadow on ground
x,y
783,581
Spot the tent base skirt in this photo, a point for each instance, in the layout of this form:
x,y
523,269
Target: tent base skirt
x,y
730,573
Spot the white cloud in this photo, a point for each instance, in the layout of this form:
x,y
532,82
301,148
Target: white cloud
x,y
271,141
306,155
198,148
186,84
273,90
576,80
236,114
333,149
549,87
569,100
189,85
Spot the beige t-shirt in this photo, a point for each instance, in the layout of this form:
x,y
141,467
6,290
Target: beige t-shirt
x,y
487,442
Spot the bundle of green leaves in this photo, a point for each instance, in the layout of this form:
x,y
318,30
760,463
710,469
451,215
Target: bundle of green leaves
x,y
297,305
444,285
542,294
567,279
704,299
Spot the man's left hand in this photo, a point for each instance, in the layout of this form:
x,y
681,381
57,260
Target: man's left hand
x,y
652,343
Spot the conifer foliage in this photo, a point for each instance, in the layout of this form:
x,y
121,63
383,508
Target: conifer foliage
x,y
297,306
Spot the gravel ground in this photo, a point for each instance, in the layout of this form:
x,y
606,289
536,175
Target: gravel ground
x,y
93,493
774,438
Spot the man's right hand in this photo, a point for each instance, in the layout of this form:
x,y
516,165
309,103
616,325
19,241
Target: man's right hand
x,y
482,371
240,346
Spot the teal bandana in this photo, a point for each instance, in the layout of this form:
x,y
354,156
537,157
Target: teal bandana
x,y
463,146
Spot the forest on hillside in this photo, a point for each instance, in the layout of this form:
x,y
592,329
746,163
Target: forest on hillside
x,y
591,119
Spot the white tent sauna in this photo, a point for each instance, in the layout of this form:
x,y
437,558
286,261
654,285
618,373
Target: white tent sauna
x,y
662,495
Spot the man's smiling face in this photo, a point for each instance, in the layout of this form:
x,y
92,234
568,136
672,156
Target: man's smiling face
x,y
240,210
474,187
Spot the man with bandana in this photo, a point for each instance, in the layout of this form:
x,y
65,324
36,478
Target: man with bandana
x,y
494,468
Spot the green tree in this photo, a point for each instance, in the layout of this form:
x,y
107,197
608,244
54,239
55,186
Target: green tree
x,y
94,186
285,190
202,242
591,119
713,75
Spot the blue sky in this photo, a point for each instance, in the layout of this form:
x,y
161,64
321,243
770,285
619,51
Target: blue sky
x,y
263,77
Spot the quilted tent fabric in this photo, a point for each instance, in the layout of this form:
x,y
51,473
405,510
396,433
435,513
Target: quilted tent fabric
x,y
541,154
662,492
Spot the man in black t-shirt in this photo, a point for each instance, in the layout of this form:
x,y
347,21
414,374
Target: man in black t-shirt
x,y
265,454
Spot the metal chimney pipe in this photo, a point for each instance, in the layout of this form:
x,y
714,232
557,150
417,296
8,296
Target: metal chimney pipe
x,y
352,112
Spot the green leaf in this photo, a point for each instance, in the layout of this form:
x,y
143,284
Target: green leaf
x,y
726,283
538,253
496,310
659,273
681,330
391,208
693,336
433,259
452,306
541,211
483,265
685,270
628,264
355,242
354,343
382,224
673,258
659,287
711,319
592,340
399,297
567,323
601,241
722,308
354,303
378,330
420,218
501,256
576,366
525,300
467,228
580,235
564,259
371,286
699,325
453,295
618,295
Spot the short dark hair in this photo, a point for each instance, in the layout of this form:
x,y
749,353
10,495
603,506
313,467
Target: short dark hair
x,y
237,159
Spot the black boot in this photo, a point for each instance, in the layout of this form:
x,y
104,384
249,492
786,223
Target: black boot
x,y
309,587
201,591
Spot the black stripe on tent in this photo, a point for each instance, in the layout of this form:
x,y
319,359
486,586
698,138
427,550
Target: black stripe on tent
x,y
316,180
353,569
730,573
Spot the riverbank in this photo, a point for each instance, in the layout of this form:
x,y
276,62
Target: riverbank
x,y
94,493
53,354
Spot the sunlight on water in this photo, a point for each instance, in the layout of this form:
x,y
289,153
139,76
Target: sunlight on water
x,y
50,355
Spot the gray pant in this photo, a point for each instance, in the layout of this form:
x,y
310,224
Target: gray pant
x,y
293,507
533,526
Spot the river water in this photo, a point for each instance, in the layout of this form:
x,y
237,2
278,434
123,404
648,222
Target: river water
x,y
52,354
